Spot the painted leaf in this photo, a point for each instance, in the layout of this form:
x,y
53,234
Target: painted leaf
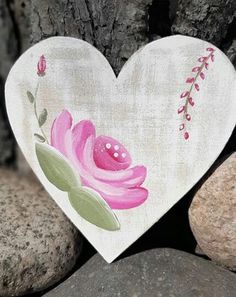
x,y
30,97
93,208
39,137
56,167
43,117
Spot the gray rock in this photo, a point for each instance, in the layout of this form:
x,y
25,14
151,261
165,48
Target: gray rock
x,y
153,273
212,215
38,244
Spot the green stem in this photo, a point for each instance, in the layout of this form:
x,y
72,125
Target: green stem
x,y
36,113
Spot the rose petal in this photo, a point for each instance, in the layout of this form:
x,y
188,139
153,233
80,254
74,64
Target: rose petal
x,y
128,199
58,131
80,133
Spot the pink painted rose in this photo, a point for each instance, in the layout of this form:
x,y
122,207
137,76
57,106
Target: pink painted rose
x,y
102,162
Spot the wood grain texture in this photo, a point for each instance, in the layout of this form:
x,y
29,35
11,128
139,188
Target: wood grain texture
x,y
139,108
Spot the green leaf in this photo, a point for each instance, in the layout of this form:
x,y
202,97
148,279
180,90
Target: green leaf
x,y
30,97
56,167
39,137
43,117
90,206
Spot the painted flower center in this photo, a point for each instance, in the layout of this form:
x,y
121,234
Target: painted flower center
x,y
110,154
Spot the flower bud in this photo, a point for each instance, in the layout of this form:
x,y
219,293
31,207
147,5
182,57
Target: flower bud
x,y
41,66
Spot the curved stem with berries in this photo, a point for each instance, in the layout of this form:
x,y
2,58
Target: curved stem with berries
x,y
187,95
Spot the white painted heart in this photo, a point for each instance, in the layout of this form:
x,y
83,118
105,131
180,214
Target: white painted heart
x,y
171,110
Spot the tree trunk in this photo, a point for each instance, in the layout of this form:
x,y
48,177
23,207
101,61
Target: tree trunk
x,y
8,53
116,27
205,19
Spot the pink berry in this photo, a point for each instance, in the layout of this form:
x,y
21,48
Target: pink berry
x,y
190,80
202,59
206,65
184,94
190,100
186,135
181,127
197,87
202,75
188,117
195,69
181,109
212,58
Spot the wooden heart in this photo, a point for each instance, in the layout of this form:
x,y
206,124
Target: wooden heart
x,y
116,153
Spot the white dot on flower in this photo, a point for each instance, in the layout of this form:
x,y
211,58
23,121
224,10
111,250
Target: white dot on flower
x,y
123,155
116,147
108,145
116,155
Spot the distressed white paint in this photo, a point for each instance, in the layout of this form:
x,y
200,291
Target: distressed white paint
x,y
139,108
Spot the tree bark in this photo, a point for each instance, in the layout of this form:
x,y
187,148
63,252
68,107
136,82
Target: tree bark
x,y
117,28
8,53
205,19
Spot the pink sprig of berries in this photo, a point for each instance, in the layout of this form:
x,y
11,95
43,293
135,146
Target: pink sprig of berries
x,y
194,85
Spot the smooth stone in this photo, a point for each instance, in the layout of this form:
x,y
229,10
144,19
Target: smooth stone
x,y
153,273
212,215
38,244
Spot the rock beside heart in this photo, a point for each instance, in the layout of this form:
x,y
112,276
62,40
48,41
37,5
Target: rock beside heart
x,y
153,273
38,244
212,215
